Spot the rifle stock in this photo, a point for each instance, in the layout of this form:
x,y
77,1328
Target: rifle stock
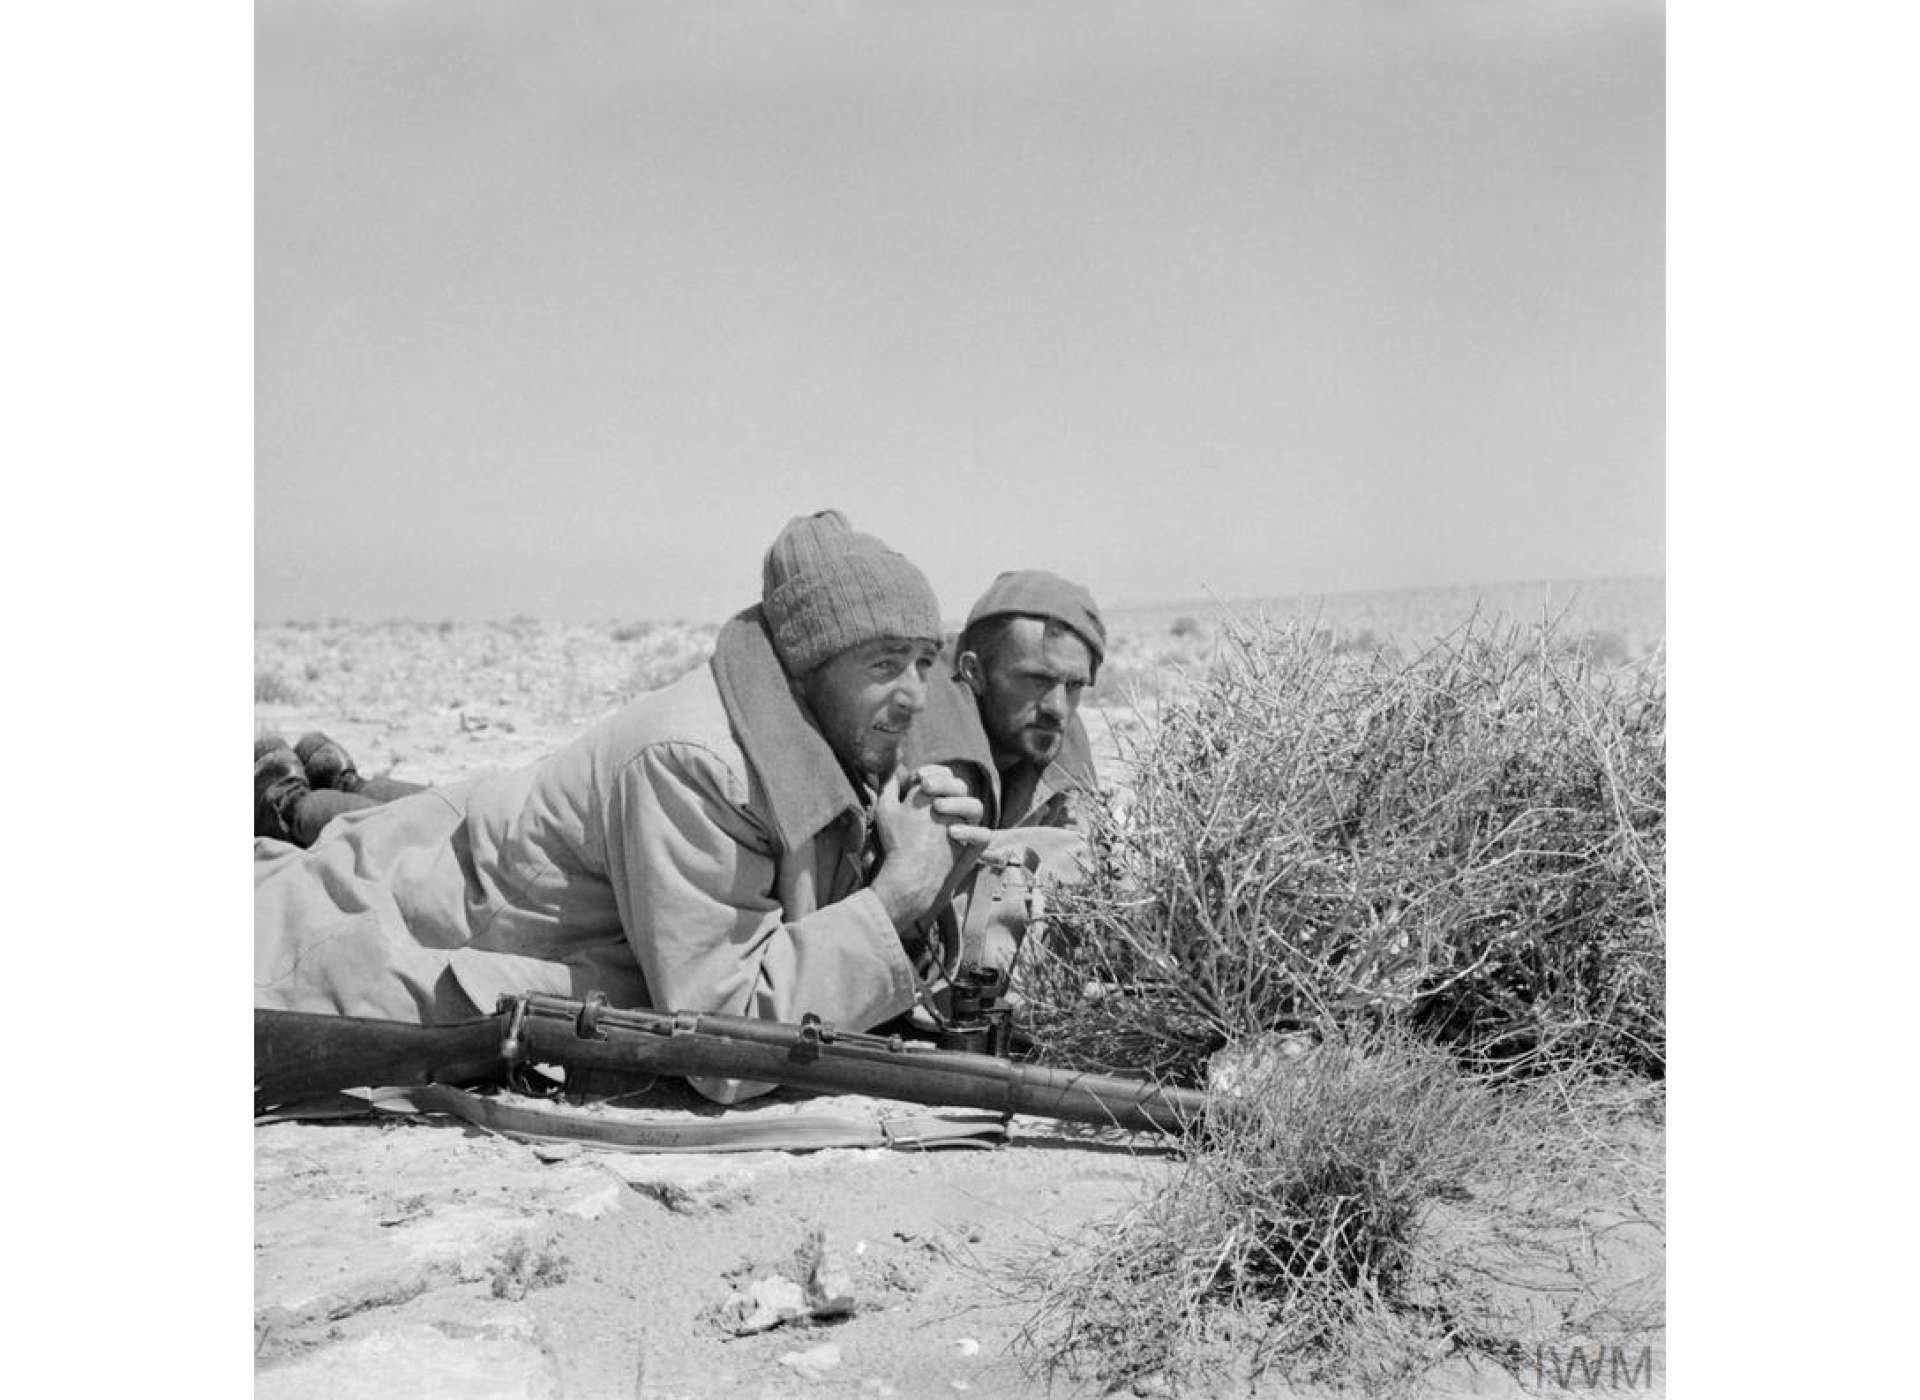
x,y
297,1053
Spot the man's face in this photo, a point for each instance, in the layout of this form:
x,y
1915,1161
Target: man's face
x,y
865,698
1029,687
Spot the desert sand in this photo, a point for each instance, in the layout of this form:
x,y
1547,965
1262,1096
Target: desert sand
x,y
406,1255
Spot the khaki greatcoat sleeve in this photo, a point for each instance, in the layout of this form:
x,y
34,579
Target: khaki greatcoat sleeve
x,y
721,919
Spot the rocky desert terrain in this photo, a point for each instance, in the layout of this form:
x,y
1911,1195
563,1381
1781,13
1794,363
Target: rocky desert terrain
x,y
403,1254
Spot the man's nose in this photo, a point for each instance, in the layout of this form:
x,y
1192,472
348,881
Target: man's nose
x,y
1053,704
910,693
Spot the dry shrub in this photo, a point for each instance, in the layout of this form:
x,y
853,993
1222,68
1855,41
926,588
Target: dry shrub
x,y
1434,866
1358,1215
1469,841
272,688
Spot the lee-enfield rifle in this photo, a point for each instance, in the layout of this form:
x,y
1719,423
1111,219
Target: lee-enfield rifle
x,y
298,1054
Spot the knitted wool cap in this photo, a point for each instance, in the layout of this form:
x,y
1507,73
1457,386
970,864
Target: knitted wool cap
x,y
1037,593
825,587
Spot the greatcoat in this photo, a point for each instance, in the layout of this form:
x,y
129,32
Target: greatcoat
x,y
699,850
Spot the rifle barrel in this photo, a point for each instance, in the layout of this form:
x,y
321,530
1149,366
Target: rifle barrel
x,y
297,1054
816,1056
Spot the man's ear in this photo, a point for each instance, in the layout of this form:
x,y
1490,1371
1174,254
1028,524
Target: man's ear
x,y
967,666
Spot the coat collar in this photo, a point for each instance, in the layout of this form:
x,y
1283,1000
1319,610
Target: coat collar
x,y
806,787
949,731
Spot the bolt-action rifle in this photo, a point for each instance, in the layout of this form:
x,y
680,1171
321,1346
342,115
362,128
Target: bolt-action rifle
x,y
299,1054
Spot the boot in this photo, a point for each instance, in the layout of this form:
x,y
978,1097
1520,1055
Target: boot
x,y
327,764
279,784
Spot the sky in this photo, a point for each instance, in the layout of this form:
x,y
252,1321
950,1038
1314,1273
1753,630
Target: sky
x,y
563,309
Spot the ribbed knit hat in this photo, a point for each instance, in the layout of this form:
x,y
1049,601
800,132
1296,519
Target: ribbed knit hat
x,y
826,587
1037,593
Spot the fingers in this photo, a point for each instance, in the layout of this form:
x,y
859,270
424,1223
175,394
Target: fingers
x,y
935,790
959,809
938,780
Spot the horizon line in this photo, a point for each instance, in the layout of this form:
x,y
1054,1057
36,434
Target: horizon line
x,y
1189,603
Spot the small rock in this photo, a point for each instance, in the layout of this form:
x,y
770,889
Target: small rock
x,y
765,1304
813,1363
829,1288
556,1151
966,1346
598,1202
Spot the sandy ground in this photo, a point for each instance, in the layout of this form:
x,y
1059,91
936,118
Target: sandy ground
x,y
417,1256
420,1257
425,1258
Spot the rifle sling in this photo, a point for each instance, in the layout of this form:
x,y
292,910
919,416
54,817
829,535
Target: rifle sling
x,y
800,1132
533,1121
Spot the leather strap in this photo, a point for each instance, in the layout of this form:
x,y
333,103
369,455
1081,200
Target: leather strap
x,y
799,1132
536,1121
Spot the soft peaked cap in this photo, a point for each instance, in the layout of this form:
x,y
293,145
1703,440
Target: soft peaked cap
x,y
825,587
1037,593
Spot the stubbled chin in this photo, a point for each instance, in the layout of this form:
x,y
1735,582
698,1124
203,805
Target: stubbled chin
x,y
881,753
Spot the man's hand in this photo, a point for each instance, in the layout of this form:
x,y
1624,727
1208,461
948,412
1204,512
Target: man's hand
x,y
953,803
928,825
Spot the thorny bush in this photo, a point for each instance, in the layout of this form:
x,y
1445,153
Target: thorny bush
x,y
1357,1214
1468,842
